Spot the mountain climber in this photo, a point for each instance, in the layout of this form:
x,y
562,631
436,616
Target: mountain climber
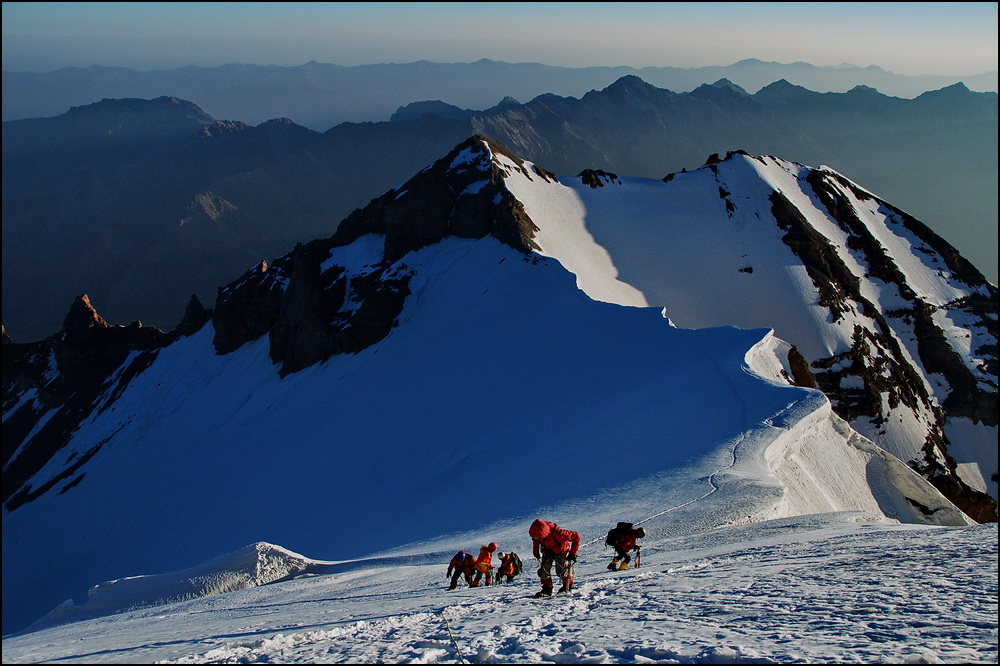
x,y
462,564
554,545
623,539
510,566
484,564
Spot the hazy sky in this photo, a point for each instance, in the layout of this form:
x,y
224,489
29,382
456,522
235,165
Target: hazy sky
x,y
907,38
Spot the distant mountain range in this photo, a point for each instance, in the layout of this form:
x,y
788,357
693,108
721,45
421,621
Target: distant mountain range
x,y
484,314
321,95
142,203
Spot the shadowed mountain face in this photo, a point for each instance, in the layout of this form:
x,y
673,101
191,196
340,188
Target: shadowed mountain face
x,y
110,199
141,224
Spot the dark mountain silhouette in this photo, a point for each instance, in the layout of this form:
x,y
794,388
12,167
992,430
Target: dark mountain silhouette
x,y
177,221
111,196
321,95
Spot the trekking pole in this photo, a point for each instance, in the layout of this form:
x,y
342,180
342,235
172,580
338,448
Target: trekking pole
x,y
638,557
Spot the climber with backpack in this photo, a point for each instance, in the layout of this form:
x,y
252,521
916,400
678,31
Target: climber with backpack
x,y
623,539
510,566
554,545
462,564
484,564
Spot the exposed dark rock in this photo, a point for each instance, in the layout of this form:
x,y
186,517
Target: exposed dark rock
x,y
876,357
832,279
596,178
455,200
545,173
196,316
979,506
247,308
966,398
859,237
91,358
89,345
302,306
801,374
311,324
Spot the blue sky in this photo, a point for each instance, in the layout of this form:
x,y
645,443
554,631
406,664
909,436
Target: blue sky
x,y
907,38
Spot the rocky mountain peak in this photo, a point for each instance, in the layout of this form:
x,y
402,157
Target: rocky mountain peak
x,y
196,316
461,194
727,86
505,104
89,345
311,307
92,358
781,90
82,318
630,84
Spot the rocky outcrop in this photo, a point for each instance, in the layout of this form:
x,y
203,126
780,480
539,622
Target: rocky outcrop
x,y
460,195
596,178
247,308
801,374
196,316
94,361
312,309
877,375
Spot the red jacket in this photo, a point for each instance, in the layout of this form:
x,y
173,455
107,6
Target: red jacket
x,y
554,538
506,567
485,560
465,566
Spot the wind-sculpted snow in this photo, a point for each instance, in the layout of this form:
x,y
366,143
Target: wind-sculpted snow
x,y
252,566
816,589
896,328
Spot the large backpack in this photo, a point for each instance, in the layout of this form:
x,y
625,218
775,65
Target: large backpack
x,y
616,533
516,561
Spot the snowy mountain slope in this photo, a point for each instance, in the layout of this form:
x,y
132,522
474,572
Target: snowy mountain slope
x,y
895,327
422,372
222,449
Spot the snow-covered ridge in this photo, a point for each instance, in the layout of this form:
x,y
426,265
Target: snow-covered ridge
x,y
895,327
373,377
249,567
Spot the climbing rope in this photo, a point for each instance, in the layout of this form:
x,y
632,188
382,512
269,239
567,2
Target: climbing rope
x,y
447,626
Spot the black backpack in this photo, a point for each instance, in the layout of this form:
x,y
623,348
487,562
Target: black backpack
x,y
616,533
516,561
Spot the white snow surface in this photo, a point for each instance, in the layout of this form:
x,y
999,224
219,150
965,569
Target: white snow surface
x,y
776,533
810,589
637,241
